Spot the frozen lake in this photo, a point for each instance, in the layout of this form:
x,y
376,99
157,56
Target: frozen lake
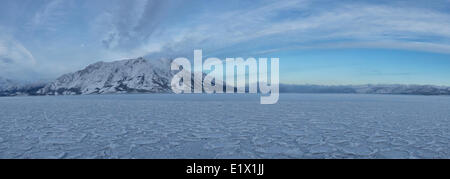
x,y
225,126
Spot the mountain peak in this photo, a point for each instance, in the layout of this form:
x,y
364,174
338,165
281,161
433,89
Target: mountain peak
x,y
124,76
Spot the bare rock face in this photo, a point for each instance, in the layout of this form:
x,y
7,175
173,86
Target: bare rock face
x,y
125,76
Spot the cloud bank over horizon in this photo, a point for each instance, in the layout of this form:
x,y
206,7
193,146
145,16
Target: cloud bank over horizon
x,y
46,38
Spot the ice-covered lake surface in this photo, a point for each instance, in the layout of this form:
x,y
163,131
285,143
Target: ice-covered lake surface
x,y
225,126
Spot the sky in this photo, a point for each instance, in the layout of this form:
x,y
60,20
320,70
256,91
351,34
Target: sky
x,y
323,42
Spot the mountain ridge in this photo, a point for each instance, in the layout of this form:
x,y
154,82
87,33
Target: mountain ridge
x,y
368,89
154,76
124,76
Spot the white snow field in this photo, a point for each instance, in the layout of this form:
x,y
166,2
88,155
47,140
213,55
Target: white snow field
x,y
225,126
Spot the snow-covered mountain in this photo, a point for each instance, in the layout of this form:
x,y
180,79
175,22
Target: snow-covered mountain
x,y
154,76
368,89
125,76
403,89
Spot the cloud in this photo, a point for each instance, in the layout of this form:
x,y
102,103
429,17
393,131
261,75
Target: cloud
x,y
129,23
286,24
269,26
116,29
50,16
13,52
14,58
137,25
347,24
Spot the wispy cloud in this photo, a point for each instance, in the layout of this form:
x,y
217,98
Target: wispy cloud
x,y
50,15
275,25
14,57
115,29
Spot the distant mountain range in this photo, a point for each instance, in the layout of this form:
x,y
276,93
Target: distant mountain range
x,y
146,76
368,89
